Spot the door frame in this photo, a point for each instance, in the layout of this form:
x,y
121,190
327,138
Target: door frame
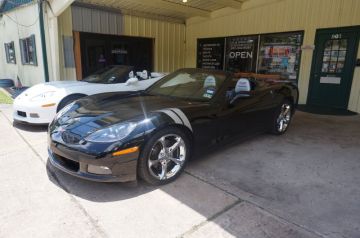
x,y
333,30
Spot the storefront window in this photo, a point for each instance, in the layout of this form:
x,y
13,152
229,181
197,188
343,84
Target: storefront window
x,y
280,54
210,53
241,53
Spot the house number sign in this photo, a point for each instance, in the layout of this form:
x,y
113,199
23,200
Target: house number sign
x,y
336,36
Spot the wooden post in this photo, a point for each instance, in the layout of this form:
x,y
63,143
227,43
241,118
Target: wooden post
x,y
77,54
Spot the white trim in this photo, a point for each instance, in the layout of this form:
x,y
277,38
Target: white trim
x,y
183,117
172,115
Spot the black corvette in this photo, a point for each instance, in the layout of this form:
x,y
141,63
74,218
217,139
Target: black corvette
x,y
114,137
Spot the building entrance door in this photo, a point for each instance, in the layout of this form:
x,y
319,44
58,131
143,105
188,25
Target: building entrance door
x,y
333,67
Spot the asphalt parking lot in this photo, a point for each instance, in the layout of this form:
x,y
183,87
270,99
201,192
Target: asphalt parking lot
x,y
303,184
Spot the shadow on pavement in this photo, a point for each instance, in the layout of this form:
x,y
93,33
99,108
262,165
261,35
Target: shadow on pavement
x,y
29,127
95,191
110,192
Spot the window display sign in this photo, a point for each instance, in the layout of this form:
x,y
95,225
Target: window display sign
x,y
280,54
241,53
211,53
277,54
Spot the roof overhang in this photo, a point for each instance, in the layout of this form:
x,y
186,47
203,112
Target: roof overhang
x,y
176,9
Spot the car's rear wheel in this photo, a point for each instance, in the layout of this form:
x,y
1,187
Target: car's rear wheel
x,y
282,118
164,156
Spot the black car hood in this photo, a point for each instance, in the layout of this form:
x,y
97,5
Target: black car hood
x,y
103,110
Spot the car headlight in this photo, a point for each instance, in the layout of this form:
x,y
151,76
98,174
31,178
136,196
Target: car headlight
x,y
64,110
111,134
42,96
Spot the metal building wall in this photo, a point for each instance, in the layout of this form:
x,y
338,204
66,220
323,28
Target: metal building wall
x,y
354,102
266,16
169,37
65,30
169,48
96,21
26,16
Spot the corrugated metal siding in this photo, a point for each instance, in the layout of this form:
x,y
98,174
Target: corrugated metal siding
x,y
280,16
169,50
169,38
97,21
354,102
65,30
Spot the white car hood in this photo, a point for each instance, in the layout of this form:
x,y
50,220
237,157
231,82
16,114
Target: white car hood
x,y
52,86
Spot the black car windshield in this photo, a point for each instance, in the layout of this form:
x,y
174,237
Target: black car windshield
x,y
192,84
110,74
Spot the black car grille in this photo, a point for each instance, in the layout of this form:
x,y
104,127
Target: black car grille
x,y
70,138
67,163
22,114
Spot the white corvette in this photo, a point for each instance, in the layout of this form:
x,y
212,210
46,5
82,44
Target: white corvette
x,y
40,103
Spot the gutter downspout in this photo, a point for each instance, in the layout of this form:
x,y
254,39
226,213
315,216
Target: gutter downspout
x,y
43,41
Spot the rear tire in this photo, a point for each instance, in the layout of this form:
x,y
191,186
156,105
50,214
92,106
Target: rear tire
x,y
69,99
282,118
164,156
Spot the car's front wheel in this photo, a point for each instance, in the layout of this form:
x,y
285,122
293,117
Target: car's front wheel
x,y
164,156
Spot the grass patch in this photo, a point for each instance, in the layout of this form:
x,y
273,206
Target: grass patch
x,y
4,98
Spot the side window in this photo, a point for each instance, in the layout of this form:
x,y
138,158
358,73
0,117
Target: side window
x,y
28,51
10,53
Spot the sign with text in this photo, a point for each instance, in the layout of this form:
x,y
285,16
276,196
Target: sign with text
x,y
210,53
241,53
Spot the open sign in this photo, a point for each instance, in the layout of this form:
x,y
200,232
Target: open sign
x,y
242,55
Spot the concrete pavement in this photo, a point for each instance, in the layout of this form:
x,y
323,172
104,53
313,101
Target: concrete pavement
x,y
229,193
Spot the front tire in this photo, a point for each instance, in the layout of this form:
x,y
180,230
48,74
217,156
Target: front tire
x,y
164,156
282,118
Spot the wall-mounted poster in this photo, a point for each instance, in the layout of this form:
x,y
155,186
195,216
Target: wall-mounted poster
x,y
241,53
211,53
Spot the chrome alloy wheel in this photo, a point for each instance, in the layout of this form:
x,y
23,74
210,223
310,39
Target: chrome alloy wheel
x,y
167,157
284,118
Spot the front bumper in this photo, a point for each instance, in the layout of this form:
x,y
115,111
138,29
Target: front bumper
x,y
123,168
32,113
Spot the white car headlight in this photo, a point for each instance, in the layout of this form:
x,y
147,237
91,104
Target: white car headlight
x,y
111,134
43,96
64,110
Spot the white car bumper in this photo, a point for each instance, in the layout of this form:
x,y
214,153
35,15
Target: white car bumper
x,y
33,113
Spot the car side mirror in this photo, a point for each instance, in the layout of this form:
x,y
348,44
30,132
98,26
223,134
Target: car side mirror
x,y
131,81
